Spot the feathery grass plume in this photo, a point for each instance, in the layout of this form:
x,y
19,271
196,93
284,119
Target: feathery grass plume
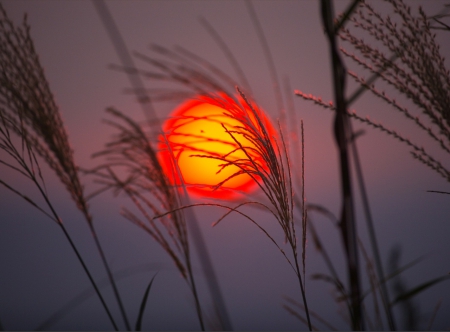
x,y
28,109
417,150
266,161
146,103
147,186
267,164
411,63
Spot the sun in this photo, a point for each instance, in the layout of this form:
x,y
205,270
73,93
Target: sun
x,y
197,135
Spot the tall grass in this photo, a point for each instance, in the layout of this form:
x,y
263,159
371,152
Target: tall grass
x,y
28,110
32,131
267,162
147,186
411,63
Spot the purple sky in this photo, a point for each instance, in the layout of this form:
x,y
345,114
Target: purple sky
x,y
40,273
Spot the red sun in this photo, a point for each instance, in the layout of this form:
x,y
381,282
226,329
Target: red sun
x,y
197,137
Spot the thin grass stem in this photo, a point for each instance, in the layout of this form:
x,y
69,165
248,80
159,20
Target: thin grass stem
x,y
267,54
342,135
372,235
150,114
77,253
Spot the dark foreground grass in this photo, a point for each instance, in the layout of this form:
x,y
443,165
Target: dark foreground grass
x,y
32,132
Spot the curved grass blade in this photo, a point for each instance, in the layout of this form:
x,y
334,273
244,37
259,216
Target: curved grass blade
x,y
143,303
418,289
29,200
88,293
438,192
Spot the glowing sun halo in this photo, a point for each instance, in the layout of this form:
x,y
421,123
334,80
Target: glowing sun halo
x,y
195,128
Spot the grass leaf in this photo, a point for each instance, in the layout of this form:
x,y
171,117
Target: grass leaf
x,y
416,290
143,303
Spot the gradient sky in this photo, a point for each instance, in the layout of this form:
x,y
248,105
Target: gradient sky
x,y
40,273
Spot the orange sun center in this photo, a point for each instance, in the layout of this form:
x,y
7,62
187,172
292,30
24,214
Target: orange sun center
x,y
197,137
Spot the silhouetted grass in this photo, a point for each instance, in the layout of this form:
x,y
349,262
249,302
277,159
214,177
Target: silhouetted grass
x,y
32,131
28,110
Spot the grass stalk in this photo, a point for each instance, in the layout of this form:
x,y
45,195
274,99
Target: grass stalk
x,y
373,238
149,191
267,54
196,297
28,109
55,217
79,257
342,137
302,290
269,168
88,293
339,285
209,271
110,276
146,104
279,100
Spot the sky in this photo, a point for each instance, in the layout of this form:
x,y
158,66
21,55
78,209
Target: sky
x,y
40,273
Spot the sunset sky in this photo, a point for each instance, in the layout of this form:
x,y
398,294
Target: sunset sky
x,y
40,273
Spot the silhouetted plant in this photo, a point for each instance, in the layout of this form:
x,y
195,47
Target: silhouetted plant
x,y
267,161
28,109
411,62
131,152
31,129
